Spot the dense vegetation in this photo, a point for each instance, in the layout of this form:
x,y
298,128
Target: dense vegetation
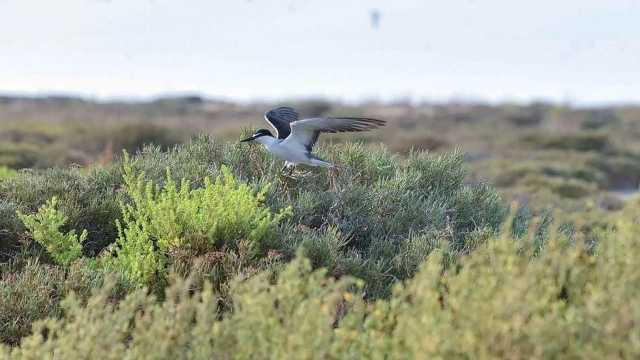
x,y
540,153
204,250
501,302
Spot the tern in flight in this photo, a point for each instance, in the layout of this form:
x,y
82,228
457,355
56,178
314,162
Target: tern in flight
x,y
295,137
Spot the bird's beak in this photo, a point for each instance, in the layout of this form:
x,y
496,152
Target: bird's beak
x,y
248,139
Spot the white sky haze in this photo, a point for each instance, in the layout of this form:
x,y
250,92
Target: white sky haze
x,y
584,51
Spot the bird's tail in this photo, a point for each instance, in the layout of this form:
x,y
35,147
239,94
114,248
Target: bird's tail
x,y
316,161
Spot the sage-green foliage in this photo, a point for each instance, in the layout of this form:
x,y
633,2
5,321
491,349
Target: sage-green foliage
x,y
378,218
12,228
501,301
88,198
164,220
31,290
391,256
28,294
378,203
45,226
42,142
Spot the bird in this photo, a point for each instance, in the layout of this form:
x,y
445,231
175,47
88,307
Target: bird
x,y
295,137
375,16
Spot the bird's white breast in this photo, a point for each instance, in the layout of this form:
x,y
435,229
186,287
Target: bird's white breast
x,y
285,150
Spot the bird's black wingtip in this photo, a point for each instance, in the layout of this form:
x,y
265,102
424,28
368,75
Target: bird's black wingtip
x,y
378,122
372,121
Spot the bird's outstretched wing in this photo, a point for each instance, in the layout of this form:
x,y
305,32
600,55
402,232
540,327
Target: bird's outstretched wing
x,y
307,131
280,118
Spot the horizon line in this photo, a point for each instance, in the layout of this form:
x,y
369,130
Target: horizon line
x,y
353,101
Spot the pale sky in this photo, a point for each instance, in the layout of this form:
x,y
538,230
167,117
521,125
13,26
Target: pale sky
x,y
583,51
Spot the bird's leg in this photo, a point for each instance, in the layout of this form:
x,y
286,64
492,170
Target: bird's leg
x,y
333,176
287,170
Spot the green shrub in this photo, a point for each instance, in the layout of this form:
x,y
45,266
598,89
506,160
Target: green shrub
x,y
133,137
531,115
506,173
88,199
45,229
377,201
7,173
412,142
501,301
380,202
31,290
566,188
623,171
324,249
10,229
21,155
47,143
600,118
161,221
301,305
193,161
27,295
584,141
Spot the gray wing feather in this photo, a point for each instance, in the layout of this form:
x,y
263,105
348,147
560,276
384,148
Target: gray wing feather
x,y
307,131
280,118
